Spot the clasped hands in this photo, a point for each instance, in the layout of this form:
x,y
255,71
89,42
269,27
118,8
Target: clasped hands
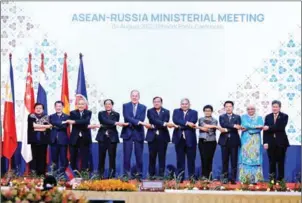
x,y
150,126
94,126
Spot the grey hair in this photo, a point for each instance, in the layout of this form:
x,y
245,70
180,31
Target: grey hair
x,y
185,99
276,102
135,91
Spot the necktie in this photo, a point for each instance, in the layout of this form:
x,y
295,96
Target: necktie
x,y
81,114
275,117
230,117
134,109
183,132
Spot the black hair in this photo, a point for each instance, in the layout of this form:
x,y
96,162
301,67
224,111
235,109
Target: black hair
x,y
109,100
228,102
39,104
59,102
276,102
208,107
157,97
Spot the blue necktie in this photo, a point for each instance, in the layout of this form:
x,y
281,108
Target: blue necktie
x,y
134,110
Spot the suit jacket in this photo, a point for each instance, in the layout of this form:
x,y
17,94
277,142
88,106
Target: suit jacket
x,y
133,130
158,120
58,133
80,126
232,134
277,129
36,137
180,120
108,127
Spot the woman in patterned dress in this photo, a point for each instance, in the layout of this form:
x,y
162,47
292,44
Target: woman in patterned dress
x,y
250,155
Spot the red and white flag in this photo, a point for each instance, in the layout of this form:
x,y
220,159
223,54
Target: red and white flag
x,y
29,102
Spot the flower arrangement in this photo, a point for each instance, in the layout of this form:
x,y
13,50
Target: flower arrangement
x,y
107,185
172,182
28,194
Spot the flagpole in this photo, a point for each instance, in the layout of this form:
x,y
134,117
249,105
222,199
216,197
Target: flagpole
x,y
10,160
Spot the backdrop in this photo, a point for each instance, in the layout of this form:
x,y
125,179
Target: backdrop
x,y
206,51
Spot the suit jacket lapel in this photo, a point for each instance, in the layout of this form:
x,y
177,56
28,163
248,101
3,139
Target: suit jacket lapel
x,y
137,109
272,119
227,118
187,115
161,113
182,114
278,117
79,114
232,118
131,108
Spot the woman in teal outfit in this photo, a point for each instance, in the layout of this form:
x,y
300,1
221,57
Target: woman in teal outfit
x,y
250,155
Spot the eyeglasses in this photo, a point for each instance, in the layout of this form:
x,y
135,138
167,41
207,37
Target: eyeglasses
x,y
251,109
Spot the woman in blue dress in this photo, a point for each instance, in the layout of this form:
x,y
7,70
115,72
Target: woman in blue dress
x,y
250,155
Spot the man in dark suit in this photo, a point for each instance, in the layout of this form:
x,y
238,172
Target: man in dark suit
x,y
134,113
80,138
229,140
184,138
58,136
158,136
275,139
107,137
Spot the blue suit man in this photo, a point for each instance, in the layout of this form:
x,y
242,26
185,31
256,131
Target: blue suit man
x,y
80,138
275,140
158,136
134,113
107,137
229,140
58,136
184,138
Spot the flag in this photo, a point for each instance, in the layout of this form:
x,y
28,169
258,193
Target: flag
x,y
42,95
65,95
81,92
9,123
29,102
69,174
65,89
